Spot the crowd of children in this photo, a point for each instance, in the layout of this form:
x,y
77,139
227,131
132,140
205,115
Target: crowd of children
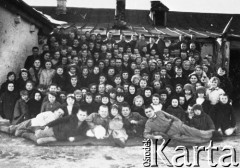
x,y
107,84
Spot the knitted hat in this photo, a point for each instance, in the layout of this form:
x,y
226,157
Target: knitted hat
x,y
188,87
197,107
23,93
201,89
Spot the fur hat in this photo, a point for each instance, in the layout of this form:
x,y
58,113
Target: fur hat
x,y
188,87
197,107
201,89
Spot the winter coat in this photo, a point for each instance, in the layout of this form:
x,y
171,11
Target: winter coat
x,y
202,122
225,117
68,126
60,80
20,112
46,77
177,112
34,107
7,103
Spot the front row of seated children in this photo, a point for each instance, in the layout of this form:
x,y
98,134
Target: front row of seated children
x,y
118,122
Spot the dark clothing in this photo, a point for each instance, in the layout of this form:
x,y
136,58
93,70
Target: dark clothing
x,y
177,112
7,103
73,112
91,108
202,122
149,48
225,117
60,80
225,84
68,126
134,129
20,112
160,46
140,110
34,108
70,88
29,61
5,85
178,80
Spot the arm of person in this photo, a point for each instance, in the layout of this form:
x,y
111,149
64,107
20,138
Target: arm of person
x,y
148,133
140,119
170,116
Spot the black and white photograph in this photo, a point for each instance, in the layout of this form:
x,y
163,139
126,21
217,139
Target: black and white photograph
x,y
119,83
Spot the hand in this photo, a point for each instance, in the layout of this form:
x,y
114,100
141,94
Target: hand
x,y
133,122
157,137
71,139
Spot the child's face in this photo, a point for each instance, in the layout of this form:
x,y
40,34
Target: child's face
x,y
188,92
143,84
199,71
117,80
51,98
102,79
72,70
114,111
126,111
105,100
224,99
59,113
197,112
193,79
85,72
181,100
74,81
81,115
29,86
98,98
136,81
89,99
168,90
37,96
148,93
59,71
178,89
112,95
174,102
48,65
93,89
70,101
53,89
11,78
221,72
214,84
139,102
96,70
189,109
120,99
200,95
179,71
101,88
24,97
155,100
163,97
157,85
84,92
132,90
78,97
125,75
103,112
63,96
24,75
10,87
163,72
125,88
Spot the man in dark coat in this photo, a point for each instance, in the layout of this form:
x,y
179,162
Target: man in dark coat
x,y
30,59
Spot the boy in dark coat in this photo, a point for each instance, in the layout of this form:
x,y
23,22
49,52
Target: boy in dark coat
x,y
71,128
225,119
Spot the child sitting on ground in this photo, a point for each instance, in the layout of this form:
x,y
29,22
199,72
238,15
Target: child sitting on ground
x,y
21,112
133,122
201,120
116,127
225,119
71,128
98,123
51,103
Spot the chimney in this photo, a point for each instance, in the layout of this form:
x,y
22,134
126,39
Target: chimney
x,y
61,7
120,10
158,13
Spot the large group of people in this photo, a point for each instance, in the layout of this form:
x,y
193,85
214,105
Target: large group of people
x,y
85,86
